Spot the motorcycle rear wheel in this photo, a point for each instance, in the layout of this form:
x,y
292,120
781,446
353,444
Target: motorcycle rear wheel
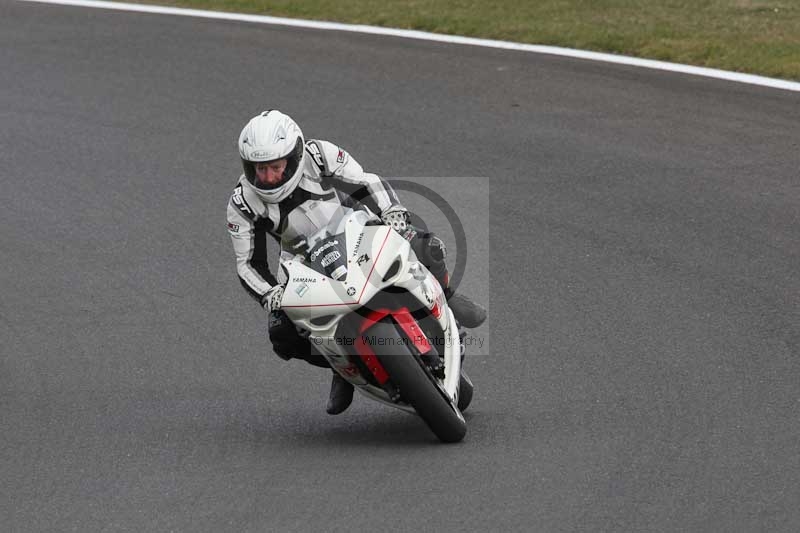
x,y
417,385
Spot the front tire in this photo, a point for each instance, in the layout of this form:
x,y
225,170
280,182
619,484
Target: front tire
x,y
465,390
417,385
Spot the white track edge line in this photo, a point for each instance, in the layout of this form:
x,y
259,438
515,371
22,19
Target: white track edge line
x,y
452,39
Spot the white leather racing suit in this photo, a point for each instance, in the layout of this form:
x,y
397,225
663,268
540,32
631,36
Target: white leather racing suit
x,y
330,174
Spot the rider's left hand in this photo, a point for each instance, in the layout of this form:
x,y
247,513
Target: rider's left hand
x,y
397,219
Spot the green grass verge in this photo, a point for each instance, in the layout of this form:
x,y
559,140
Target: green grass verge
x,y
753,36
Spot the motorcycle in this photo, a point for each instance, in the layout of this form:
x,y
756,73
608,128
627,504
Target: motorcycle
x,y
378,316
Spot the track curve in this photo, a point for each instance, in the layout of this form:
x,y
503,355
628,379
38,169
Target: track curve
x,y
641,366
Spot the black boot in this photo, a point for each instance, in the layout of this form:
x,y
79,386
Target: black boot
x,y
467,313
341,395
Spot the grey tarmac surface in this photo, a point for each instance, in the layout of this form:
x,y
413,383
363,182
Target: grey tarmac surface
x,y
636,235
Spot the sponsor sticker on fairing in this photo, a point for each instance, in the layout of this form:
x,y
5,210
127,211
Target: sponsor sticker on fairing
x,y
339,273
322,249
301,290
330,258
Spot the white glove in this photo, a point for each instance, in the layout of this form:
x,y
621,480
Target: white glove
x,y
272,299
397,219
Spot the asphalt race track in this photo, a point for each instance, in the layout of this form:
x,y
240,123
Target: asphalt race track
x,y
636,235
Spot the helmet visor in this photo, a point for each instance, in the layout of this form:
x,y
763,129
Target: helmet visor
x,y
273,174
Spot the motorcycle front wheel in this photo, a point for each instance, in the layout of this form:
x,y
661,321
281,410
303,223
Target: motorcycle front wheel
x,y
465,389
417,386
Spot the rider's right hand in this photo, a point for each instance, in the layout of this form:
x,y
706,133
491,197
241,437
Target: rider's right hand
x,y
272,299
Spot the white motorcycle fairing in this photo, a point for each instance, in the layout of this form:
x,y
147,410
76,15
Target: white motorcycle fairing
x,y
376,258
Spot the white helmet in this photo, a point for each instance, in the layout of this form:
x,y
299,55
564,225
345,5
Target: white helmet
x,y
267,137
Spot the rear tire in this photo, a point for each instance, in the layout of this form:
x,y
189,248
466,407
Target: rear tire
x,y
417,386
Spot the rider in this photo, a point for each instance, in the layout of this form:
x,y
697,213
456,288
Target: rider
x,y
283,175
